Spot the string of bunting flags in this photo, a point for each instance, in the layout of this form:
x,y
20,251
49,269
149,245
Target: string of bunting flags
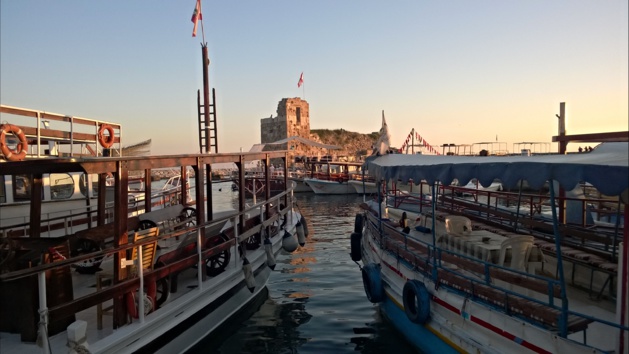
x,y
421,140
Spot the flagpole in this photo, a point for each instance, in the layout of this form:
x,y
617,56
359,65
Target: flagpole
x,y
201,19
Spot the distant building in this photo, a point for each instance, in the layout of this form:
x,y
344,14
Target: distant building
x,y
293,119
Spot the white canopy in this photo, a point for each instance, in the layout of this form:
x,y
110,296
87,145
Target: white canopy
x,y
606,168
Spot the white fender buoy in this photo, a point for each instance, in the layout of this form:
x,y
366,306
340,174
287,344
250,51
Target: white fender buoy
x,y
249,279
270,258
301,236
289,242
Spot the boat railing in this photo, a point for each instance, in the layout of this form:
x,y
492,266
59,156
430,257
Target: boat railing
x,y
44,127
501,207
69,221
277,211
536,299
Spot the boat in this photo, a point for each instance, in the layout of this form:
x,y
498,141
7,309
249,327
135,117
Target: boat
x,y
107,271
364,186
332,177
456,275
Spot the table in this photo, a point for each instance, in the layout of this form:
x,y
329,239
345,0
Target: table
x,y
473,245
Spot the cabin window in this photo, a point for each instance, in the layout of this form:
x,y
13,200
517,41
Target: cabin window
x,y
3,193
21,187
61,186
83,183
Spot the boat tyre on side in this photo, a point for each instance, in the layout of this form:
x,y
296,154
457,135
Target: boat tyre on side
x,y
355,239
372,282
416,301
358,224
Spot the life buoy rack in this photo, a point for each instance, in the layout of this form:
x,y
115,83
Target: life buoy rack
x,y
372,282
20,151
416,301
106,141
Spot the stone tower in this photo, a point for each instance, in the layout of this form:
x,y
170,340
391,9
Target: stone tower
x,y
293,119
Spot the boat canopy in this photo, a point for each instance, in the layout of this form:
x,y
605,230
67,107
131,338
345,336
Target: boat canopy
x,y
606,167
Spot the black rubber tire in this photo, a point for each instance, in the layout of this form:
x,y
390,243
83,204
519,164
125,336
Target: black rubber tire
x,y
358,224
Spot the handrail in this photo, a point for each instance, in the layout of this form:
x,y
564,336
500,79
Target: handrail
x,y
487,278
22,273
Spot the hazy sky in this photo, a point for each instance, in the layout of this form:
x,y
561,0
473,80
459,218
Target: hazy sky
x,y
456,71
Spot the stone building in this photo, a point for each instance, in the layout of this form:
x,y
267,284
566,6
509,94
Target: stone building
x,y
293,119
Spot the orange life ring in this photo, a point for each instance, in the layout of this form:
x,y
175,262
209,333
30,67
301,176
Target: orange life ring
x,y
20,151
132,306
106,142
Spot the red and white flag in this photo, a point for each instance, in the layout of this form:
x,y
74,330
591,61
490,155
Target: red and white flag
x,y
196,16
301,80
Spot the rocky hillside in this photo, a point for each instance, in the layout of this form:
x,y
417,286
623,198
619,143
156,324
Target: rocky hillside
x,y
353,144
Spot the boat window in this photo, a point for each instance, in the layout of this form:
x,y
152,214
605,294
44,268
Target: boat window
x,y
3,193
21,187
83,180
61,186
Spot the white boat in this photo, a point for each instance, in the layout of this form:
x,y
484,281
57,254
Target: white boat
x,y
363,187
454,282
208,264
322,186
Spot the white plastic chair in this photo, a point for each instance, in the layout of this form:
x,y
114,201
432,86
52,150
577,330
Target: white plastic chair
x,y
520,249
458,225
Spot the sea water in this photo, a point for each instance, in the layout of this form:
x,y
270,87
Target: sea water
x,y
315,301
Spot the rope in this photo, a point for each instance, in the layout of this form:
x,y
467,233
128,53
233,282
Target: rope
x,y
78,346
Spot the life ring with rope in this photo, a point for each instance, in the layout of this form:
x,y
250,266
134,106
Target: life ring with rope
x,y
20,151
149,301
106,141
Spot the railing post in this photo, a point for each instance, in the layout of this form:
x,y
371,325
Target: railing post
x,y
200,262
43,313
140,266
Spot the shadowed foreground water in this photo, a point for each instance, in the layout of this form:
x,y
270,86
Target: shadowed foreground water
x,y
315,302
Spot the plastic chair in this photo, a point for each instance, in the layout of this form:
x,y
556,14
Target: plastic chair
x,y
520,249
458,225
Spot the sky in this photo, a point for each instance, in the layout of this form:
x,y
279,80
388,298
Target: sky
x,y
456,71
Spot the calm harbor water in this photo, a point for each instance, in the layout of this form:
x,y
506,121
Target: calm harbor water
x,y
315,302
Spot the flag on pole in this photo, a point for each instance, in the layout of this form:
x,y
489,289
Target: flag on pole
x,y
301,80
196,16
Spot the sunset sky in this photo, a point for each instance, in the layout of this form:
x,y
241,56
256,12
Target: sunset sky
x,y
455,71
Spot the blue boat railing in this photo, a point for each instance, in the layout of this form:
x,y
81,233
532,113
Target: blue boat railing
x,y
423,261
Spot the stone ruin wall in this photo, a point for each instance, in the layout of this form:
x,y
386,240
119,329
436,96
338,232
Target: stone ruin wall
x,y
293,119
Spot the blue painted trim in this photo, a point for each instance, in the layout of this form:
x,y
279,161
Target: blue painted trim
x,y
418,335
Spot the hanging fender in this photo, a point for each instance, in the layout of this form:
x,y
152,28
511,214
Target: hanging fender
x,y
305,225
416,300
358,224
372,282
356,253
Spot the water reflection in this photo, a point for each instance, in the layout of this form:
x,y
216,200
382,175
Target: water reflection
x,y
315,302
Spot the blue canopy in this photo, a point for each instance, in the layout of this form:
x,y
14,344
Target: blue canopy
x,y
606,167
